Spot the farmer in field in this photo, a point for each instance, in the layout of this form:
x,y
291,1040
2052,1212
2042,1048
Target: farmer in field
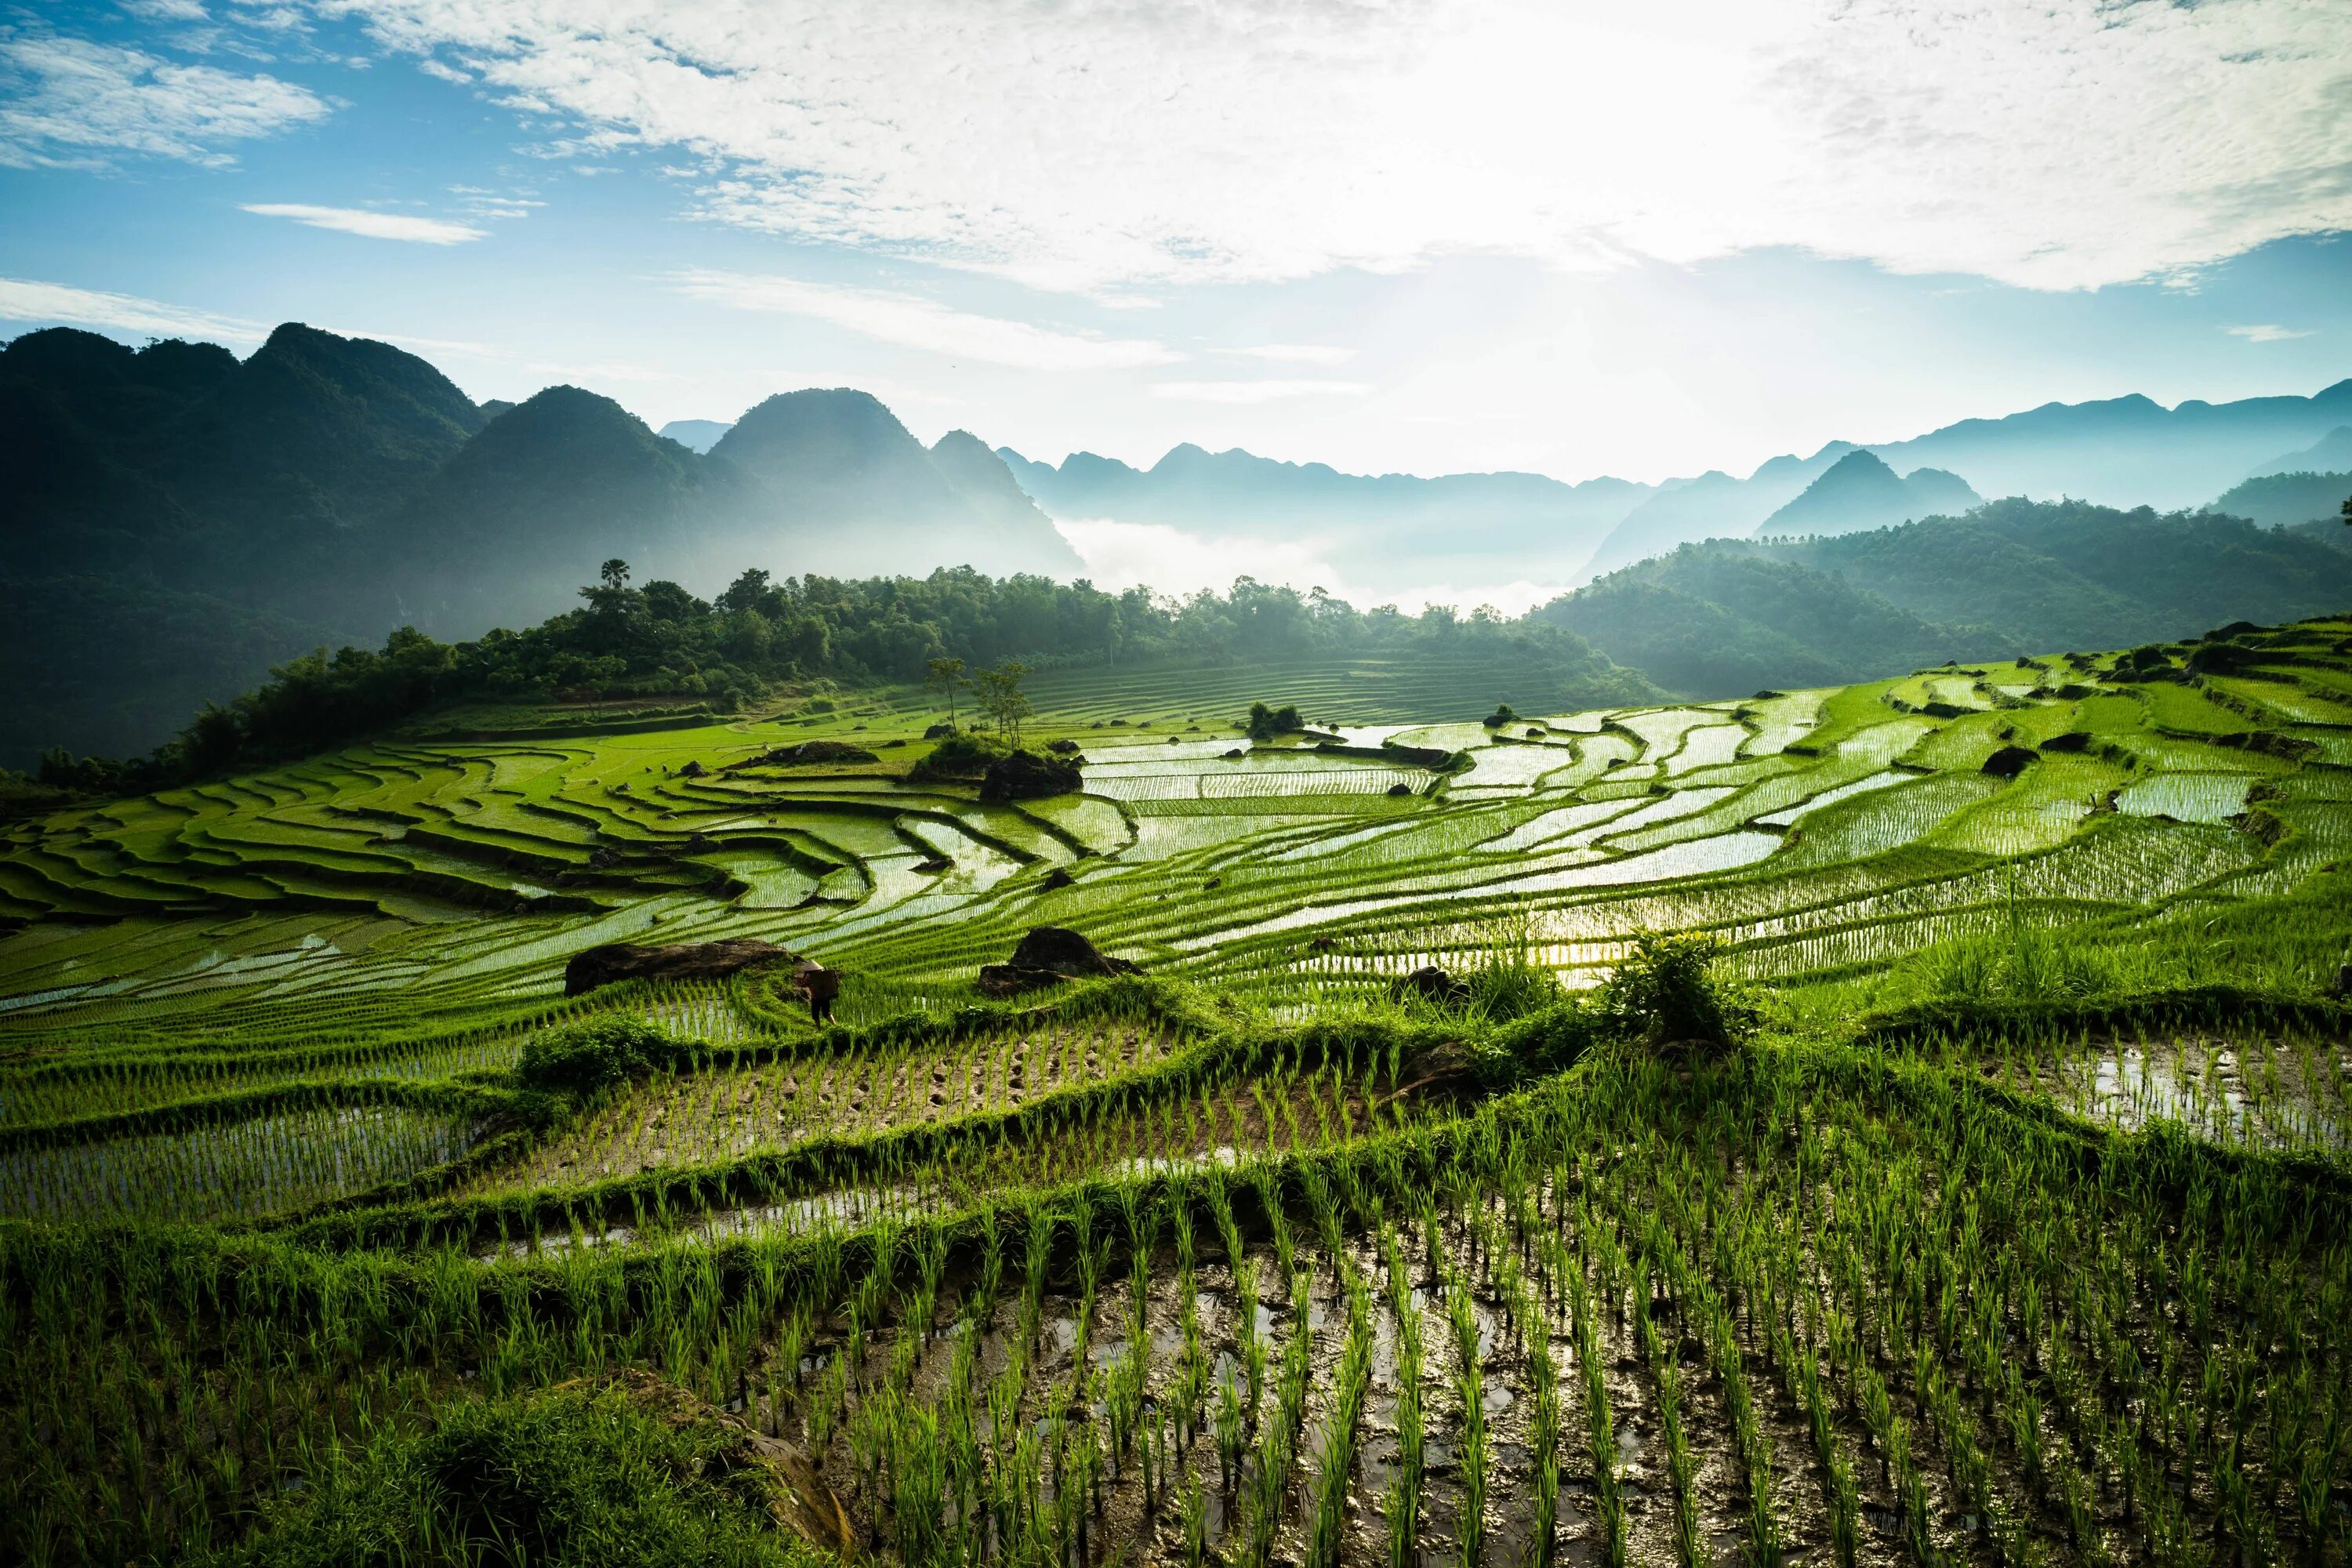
x,y
821,985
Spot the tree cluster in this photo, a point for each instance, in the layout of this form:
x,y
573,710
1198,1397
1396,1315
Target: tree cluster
x,y
953,631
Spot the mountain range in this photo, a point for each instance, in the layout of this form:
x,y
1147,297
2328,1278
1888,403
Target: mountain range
x,y
178,518
2125,452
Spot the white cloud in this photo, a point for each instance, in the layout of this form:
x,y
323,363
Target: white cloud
x,y
2265,333
1256,390
371,225
57,304
445,72
913,321
165,10
1294,354
73,103
2056,143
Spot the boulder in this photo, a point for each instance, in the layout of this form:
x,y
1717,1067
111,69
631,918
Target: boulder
x,y
808,751
1025,776
1399,791
2009,761
1236,754
1064,748
934,863
2072,740
692,960
1056,878
938,731
691,770
1429,983
1047,956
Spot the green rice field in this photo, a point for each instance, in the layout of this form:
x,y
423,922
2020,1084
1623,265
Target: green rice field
x,y
1996,1210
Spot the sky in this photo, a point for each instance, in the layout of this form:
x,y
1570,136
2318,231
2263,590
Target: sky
x,y
1575,237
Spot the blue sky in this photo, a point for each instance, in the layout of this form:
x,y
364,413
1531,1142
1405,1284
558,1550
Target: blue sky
x,y
1415,235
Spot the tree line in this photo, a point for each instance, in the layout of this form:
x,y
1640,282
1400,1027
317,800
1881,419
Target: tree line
x,y
659,640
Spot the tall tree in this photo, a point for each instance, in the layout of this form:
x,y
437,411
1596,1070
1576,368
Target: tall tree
x,y
946,674
1000,695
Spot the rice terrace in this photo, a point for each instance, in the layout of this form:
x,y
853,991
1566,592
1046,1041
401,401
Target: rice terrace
x,y
1233,784
1904,1121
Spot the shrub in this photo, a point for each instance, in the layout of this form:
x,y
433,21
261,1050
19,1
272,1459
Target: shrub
x,y
1549,1039
1662,996
1266,724
592,1055
566,1476
963,755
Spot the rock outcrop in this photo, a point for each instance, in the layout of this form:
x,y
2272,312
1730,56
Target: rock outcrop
x,y
1047,956
617,960
1025,776
2009,761
1429,983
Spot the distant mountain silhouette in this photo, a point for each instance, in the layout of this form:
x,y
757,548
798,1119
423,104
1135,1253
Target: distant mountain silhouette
x,y
1712,506
697,434
1860,492
328,488
1384,531
2331,454
2126,451
511,525
177,519
840,455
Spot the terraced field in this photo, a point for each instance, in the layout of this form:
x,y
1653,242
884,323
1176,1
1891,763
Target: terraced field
x,y
2006,1225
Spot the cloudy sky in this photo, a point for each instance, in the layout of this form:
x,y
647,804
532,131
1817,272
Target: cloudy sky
x,y
1573,236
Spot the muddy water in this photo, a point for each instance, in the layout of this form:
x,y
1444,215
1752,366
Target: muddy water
x,y
1125,1530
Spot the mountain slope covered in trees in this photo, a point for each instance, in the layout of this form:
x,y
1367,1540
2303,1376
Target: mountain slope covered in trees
x,y
220,514
2011,577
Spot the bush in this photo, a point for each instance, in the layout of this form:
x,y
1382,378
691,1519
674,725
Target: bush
x,y
1266,724
1662,996
592,1055
1547,1040
960,756
567,1476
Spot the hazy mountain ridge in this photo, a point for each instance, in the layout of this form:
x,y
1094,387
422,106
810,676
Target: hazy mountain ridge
x,y
328,488
1859,491
1376,528
695,434
2014,576
2288,498
2331,454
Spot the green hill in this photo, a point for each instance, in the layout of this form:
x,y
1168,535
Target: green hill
x,y
2014,576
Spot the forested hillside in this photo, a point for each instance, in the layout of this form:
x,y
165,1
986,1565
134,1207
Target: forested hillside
x,y
180,520
661,642
2011,577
